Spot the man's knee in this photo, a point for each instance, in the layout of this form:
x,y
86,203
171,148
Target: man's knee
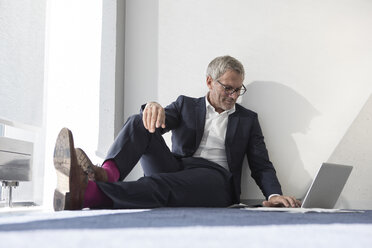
x,y
133,123
134,119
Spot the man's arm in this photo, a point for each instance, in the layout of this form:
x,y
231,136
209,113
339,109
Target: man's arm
x,y
264,172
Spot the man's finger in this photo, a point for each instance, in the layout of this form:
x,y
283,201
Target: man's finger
x,y
144,117
291,201
163,118
148,119
271,204
285,202
154,115
160,118
266,204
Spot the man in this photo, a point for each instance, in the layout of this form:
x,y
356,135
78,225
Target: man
x,y
210,137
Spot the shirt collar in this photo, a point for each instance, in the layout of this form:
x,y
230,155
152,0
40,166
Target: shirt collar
x,y
209,107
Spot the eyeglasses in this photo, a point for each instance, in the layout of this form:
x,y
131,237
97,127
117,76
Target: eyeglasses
x,y
230,90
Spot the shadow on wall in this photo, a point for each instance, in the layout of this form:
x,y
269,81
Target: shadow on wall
x,y
355,148
281,112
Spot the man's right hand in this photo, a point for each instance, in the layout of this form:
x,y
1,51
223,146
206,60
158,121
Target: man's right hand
x,y
153,116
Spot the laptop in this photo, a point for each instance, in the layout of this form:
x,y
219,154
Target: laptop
x,y
327,186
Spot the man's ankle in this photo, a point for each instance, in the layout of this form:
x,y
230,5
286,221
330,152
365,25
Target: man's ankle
x,y
95,198
112,170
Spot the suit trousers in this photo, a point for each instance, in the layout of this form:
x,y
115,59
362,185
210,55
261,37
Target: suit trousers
x,y
168,181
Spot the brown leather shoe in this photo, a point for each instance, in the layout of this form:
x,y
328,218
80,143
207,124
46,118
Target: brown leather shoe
x,y
71,180
94,172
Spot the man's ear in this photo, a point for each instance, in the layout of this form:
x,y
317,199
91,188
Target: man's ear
x,y
209,82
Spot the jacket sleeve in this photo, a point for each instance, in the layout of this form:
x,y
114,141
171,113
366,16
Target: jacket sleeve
x,y
173,114
263,171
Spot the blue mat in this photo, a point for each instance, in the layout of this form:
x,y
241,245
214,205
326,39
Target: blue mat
x,y
184,217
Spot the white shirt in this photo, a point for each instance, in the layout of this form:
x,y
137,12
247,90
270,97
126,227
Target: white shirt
x,y
212,145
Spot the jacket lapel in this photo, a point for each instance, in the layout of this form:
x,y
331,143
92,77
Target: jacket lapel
x,y
232,126
200,120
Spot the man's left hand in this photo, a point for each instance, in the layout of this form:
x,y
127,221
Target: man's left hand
x,y
282,201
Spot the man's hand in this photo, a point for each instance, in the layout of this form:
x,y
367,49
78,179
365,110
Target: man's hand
x,y
153,116
282,201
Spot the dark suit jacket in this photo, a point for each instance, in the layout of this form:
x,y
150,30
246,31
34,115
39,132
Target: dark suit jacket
x,y
186,119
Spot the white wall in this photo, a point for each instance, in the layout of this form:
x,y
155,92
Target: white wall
x,y
73,57
141,59
22,30
22,35
355,148
307,64
111,103
141,54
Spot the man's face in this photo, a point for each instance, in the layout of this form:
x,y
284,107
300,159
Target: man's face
x,y
217,96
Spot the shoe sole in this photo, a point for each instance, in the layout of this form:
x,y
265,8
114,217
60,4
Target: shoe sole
x,y
66,194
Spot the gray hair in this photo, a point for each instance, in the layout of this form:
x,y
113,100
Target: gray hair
x,y
218,66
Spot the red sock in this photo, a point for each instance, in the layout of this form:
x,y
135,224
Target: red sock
x,y
112,170
95,198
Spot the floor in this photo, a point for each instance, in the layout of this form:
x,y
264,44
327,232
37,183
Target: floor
x,y
184,227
